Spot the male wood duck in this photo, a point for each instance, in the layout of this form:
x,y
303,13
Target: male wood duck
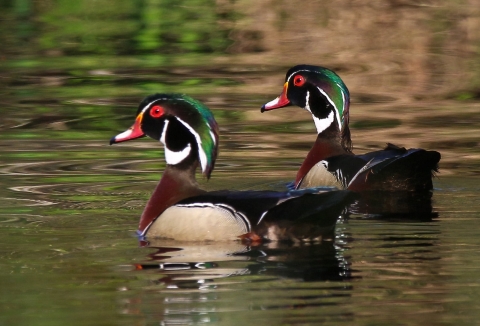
x,y
178,209
331,162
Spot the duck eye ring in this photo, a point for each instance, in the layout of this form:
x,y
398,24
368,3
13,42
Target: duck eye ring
x,y
156,111
298,80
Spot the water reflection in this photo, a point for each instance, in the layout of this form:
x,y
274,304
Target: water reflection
x,y
400,205
71,74
370,261
193,283
274,258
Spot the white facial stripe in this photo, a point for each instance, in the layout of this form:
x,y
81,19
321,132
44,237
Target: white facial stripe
x,y
307,104
333,104
324,94
173,157
322,124
213,137
148,105
296,72
201,153
164,132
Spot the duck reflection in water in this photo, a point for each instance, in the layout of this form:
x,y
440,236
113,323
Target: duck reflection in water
x,y
182,265
399,205
190,283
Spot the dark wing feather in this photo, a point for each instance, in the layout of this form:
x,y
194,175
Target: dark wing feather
x,y
253,204
398,169
304,218
393,168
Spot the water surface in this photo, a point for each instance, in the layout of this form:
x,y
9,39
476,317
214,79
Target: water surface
x,y
71,77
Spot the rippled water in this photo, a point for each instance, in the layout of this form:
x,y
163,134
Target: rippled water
x,y
72,76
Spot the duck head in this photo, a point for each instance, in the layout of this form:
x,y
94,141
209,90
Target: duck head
x,y
185,127
321,92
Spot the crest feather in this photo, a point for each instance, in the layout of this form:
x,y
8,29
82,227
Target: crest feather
x,y
337,92
205,130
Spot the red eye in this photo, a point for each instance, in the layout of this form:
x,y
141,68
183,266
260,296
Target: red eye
x,y
156,111
298,80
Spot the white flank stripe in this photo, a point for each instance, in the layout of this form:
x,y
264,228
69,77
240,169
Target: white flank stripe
x,y
261,217
365,167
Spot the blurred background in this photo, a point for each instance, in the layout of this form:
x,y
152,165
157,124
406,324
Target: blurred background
x,y
72,74
78,70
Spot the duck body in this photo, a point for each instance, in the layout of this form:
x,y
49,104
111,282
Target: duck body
x,y
330,162
180,210
251,215
390,169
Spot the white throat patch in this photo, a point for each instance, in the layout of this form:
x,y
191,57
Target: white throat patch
x,y
339,121
173,157
322,124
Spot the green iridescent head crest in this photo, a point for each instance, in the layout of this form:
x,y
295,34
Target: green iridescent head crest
x,y
192,114
205,129
332,87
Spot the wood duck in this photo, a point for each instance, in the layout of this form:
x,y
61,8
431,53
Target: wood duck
x,y
331,162
180,210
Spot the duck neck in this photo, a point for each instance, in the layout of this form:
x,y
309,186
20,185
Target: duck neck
x,y
327,144
177,183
